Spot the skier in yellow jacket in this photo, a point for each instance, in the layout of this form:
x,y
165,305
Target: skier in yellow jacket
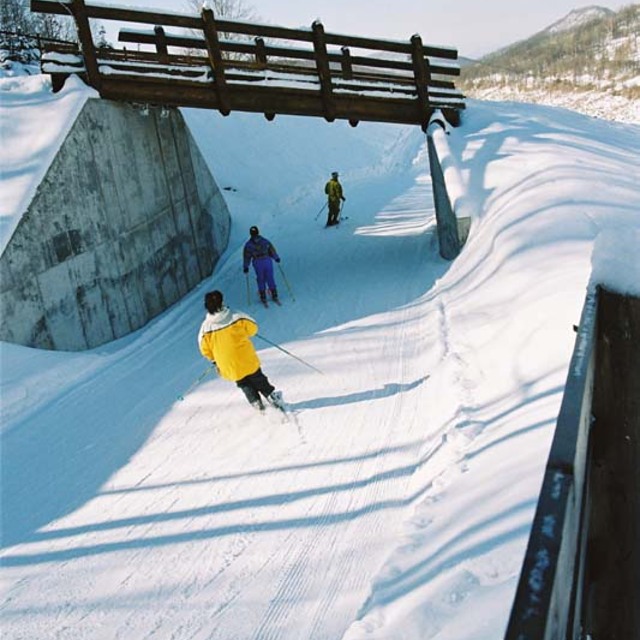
x,y
335,198
225,339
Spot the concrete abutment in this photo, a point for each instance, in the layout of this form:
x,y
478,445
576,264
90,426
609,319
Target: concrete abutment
x,y
126,221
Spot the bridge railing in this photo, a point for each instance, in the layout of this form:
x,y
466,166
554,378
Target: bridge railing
x,y
232,65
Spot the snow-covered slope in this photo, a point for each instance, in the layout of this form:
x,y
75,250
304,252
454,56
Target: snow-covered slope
x,y
397,502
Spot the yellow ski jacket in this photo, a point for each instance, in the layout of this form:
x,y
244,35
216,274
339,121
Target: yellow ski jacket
x,y
333,189
225,339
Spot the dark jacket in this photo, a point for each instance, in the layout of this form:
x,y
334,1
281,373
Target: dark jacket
x,y
257,248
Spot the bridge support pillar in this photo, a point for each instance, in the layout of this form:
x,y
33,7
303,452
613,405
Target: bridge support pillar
x,y
447,224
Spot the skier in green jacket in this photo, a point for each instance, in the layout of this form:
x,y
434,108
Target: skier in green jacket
x,y
335,198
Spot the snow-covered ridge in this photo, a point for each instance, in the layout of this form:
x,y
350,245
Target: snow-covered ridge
x,y
577,18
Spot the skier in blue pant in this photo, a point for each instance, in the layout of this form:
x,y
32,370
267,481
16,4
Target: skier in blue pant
x,y
261,253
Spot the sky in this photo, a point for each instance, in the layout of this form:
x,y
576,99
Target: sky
x,y
474,28
396,501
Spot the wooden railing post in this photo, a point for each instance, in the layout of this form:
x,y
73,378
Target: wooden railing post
x,y
345,63
324,71
161,44
422,77
86,43
215,59
261,53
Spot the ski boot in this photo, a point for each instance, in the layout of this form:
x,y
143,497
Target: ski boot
x,y
276,400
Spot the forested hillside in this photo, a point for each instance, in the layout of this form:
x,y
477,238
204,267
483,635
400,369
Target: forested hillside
x,y
589,61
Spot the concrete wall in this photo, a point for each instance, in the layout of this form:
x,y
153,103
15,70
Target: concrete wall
x,y
127,220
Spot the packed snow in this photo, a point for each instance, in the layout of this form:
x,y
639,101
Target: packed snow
x,y
397,500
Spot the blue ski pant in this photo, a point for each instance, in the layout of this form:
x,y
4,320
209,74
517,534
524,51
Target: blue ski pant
x,y
264,274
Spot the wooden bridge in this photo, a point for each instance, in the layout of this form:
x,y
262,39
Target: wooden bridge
x,y
237,66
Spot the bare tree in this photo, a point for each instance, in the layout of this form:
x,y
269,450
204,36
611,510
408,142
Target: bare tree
x,y
21,31
228,9
14,16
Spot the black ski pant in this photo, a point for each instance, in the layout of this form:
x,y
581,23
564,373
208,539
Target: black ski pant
x,y
254,384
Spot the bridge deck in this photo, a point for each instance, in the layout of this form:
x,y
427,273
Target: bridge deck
x,y
238,66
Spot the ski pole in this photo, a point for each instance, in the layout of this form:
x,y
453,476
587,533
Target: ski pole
x,y
248,294
321,210
197,381
286,282
277,346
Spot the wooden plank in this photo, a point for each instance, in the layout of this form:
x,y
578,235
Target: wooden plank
x,y
215,56
357,71
612,586
148,62
86,41
541,608
324,71
126,35
260,100
111,56
105,12
449,53
133,69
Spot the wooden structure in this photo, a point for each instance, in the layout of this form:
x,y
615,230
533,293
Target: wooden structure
x,y
237,66
581,573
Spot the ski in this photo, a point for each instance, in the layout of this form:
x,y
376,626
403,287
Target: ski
x,y
286,416
281,414
337,224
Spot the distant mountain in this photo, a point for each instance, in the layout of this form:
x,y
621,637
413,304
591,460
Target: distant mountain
x,y
589,61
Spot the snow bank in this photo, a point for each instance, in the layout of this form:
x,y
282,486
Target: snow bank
x,y
616,261
33,125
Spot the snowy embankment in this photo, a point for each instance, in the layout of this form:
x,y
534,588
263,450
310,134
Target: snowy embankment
x,y
608,105
399,501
